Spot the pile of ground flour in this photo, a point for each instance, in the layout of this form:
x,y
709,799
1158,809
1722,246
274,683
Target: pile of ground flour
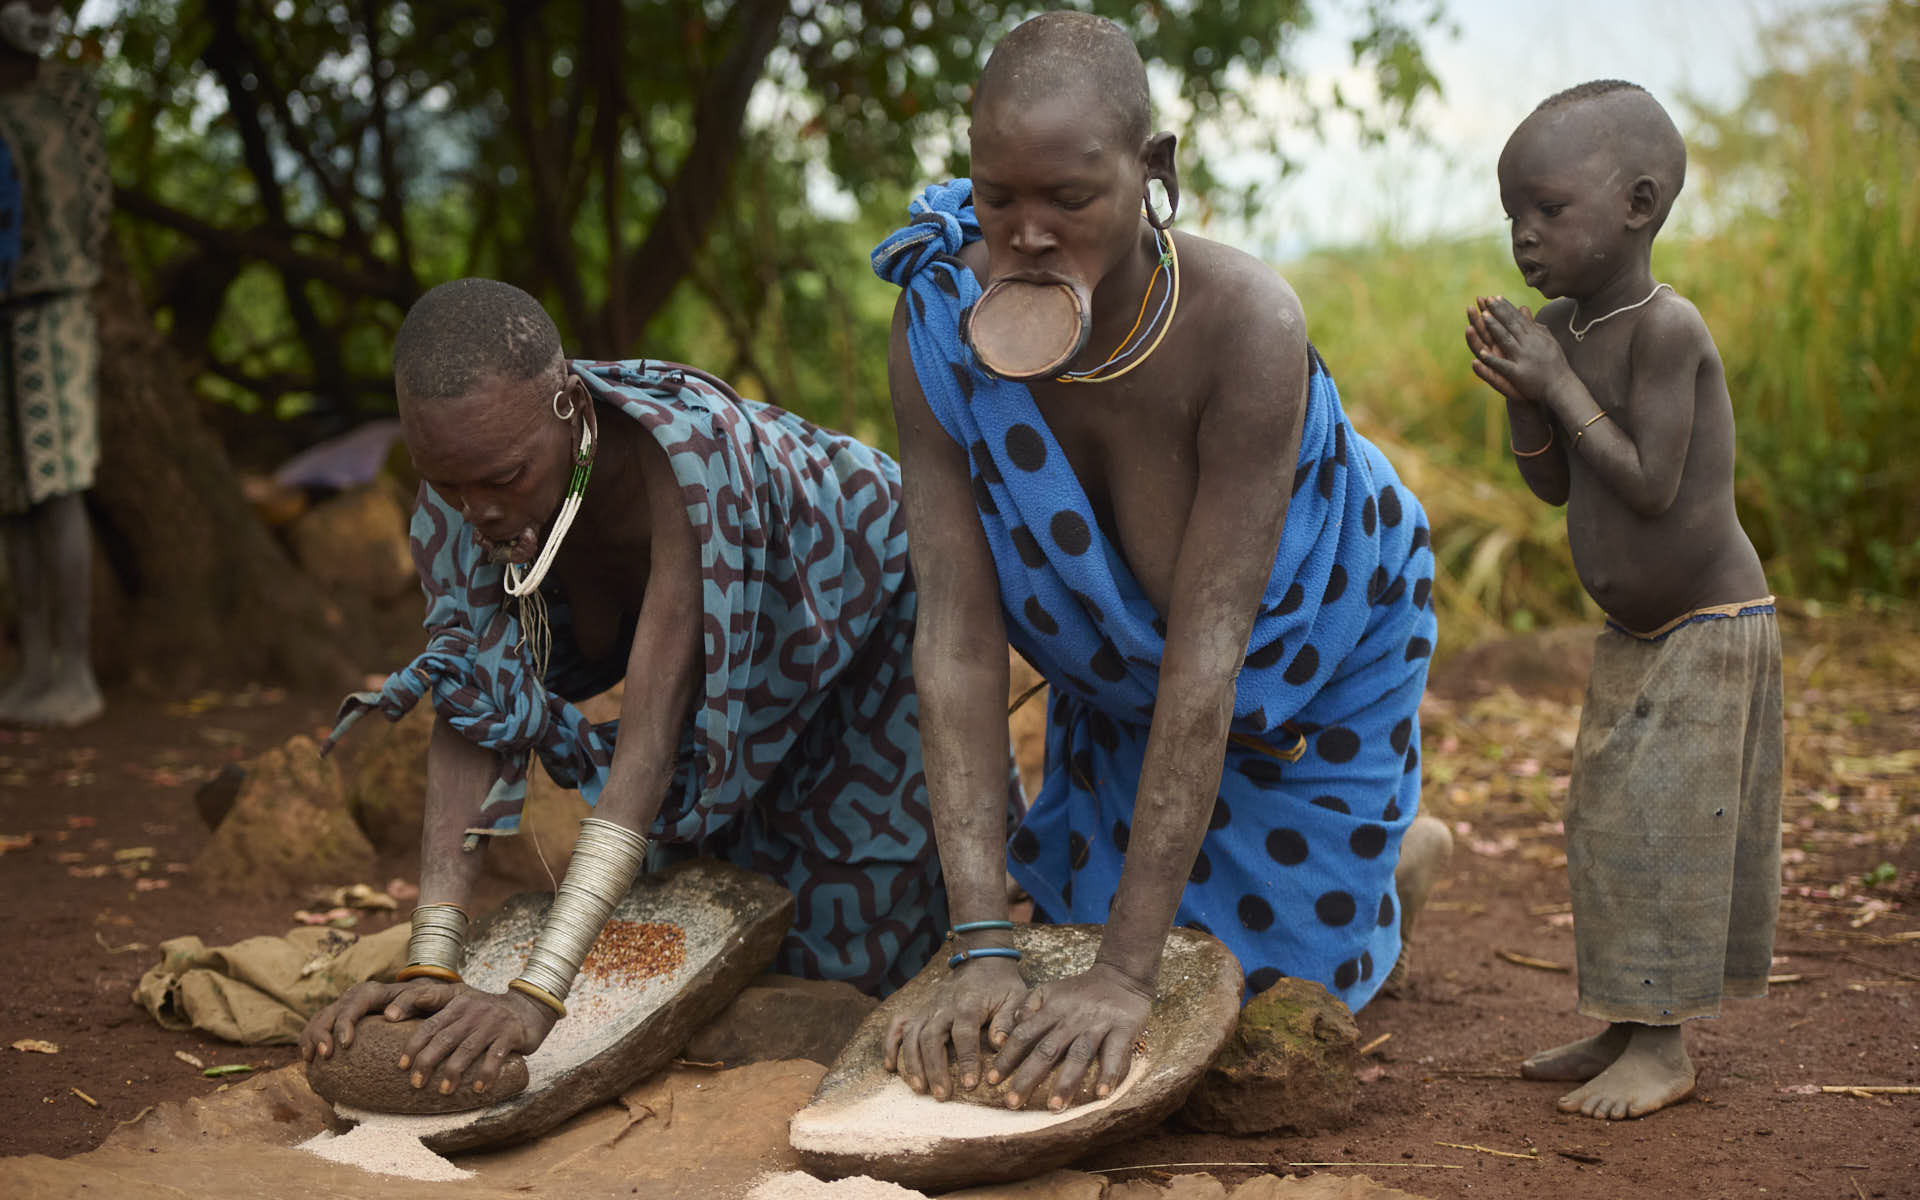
x,y
798,1185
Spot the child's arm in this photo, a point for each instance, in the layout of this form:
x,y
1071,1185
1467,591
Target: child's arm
x,y
1642,468
1538,450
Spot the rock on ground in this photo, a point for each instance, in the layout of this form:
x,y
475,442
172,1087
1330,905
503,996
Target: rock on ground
x,y
782,1017
356,542
289,827
1289,1066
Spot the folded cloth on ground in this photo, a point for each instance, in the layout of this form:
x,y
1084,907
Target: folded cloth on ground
x,y
261,991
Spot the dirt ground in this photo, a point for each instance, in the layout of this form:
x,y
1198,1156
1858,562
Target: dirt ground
x,y
1442,1112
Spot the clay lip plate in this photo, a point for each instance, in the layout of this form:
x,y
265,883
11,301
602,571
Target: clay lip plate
x,y
863,1120
1023,330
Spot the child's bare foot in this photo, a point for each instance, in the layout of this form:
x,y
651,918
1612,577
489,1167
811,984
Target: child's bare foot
x,y
1577,1062
1652,1072
1425,852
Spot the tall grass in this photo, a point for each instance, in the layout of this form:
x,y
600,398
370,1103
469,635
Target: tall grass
x,y
1810,281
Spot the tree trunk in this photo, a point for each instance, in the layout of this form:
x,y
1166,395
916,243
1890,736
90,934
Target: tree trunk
x,y
199,591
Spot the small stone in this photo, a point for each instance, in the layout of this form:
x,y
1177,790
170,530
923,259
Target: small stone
x,y
367,1074
1288,1066
357,542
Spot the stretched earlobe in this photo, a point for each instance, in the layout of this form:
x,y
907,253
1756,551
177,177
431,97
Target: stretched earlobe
x,y
1161,169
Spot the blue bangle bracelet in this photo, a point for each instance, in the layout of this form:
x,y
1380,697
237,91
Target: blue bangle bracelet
x,y
989,952
977,926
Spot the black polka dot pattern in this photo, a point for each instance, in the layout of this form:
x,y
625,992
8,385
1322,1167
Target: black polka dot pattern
x,y
1338,744
1105,734
1368,841
1418,647
1334,908
1040,618
1289,602
1025,847
1121,835
1366,964
1422,592
1259,981
1390,512
1332,804
1025,448
1107,663
1305,665
1027,546
963,378
983,498
1327,469
1256,915
1070,532
1376,583
1202,869
1346,975
1336,584
1264,771
1222,815
1402,735
1288,847
1077,850
1386,911
983,464
1268,654
1368,517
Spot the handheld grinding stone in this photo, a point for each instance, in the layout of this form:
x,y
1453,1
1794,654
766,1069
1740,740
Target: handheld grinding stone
x,y
366,1074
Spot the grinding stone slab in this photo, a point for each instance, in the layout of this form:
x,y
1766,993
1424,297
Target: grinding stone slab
x,y
863,1120
366,1073
734,922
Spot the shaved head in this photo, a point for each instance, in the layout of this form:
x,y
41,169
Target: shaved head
x,y
469,332
1625,121
1075,52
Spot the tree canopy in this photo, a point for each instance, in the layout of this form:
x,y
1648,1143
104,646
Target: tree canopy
x,y
292,174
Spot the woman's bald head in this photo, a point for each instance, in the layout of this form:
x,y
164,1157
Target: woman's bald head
x,y
1077,54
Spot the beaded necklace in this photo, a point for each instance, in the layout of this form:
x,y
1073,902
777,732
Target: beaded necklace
x,y
1169,305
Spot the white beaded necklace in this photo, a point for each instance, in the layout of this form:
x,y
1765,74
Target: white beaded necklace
x,y
523,580
1580,335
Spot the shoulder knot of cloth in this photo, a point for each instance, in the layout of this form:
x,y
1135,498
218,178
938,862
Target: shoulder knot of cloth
x,y
1348,557
802,556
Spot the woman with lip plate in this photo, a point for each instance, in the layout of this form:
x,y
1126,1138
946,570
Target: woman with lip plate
x,y
743,570
1227,588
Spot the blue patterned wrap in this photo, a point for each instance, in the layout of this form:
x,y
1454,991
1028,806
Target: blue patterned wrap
x,y
1296,871
802,760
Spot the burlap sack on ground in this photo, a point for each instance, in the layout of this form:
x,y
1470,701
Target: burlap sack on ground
x,y
262,990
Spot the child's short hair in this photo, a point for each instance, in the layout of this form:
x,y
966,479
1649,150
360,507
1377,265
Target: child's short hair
x,y
1636,130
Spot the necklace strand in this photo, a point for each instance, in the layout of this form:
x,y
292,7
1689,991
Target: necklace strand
x,y
522,580
1169,305
1580,335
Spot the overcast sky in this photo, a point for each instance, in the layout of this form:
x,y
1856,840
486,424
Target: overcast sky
x,y
1506,58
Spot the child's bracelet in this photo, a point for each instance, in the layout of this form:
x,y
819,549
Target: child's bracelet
x,y
1519,453
989,952
1590,420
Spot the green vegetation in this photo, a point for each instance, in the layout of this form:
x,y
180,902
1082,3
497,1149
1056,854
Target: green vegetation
x,y
1811,189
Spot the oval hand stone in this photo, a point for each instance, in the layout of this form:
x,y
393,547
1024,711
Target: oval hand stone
x,y
367,1074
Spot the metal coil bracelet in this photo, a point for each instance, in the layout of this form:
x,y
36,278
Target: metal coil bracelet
x,y
605,860
438,944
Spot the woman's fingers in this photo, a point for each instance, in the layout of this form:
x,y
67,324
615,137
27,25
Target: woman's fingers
x,y
1073,1068
1116,1055
463,1057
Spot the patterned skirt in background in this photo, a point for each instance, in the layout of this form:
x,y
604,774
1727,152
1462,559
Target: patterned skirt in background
x,y
49,373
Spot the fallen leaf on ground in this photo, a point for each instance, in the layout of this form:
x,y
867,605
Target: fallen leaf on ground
x,y
15,841
151,885
74,822
36,1046
190,1060
94,872
229,1069
133,852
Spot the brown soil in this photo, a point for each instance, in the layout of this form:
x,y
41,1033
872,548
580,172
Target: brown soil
x,y
1848,1012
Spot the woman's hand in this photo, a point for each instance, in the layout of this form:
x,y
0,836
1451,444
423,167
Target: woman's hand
x,y
1075,1022
982,991
466,1030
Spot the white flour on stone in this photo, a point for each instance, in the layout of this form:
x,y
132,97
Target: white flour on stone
x,y
895,1119
798,1185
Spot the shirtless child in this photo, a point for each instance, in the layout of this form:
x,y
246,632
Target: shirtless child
x,y
1619,409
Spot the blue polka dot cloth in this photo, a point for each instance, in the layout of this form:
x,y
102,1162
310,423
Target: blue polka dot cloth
x,y
1321,773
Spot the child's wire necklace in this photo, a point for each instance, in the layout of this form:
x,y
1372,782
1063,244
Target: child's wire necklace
x,y
1580,335
1169,305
